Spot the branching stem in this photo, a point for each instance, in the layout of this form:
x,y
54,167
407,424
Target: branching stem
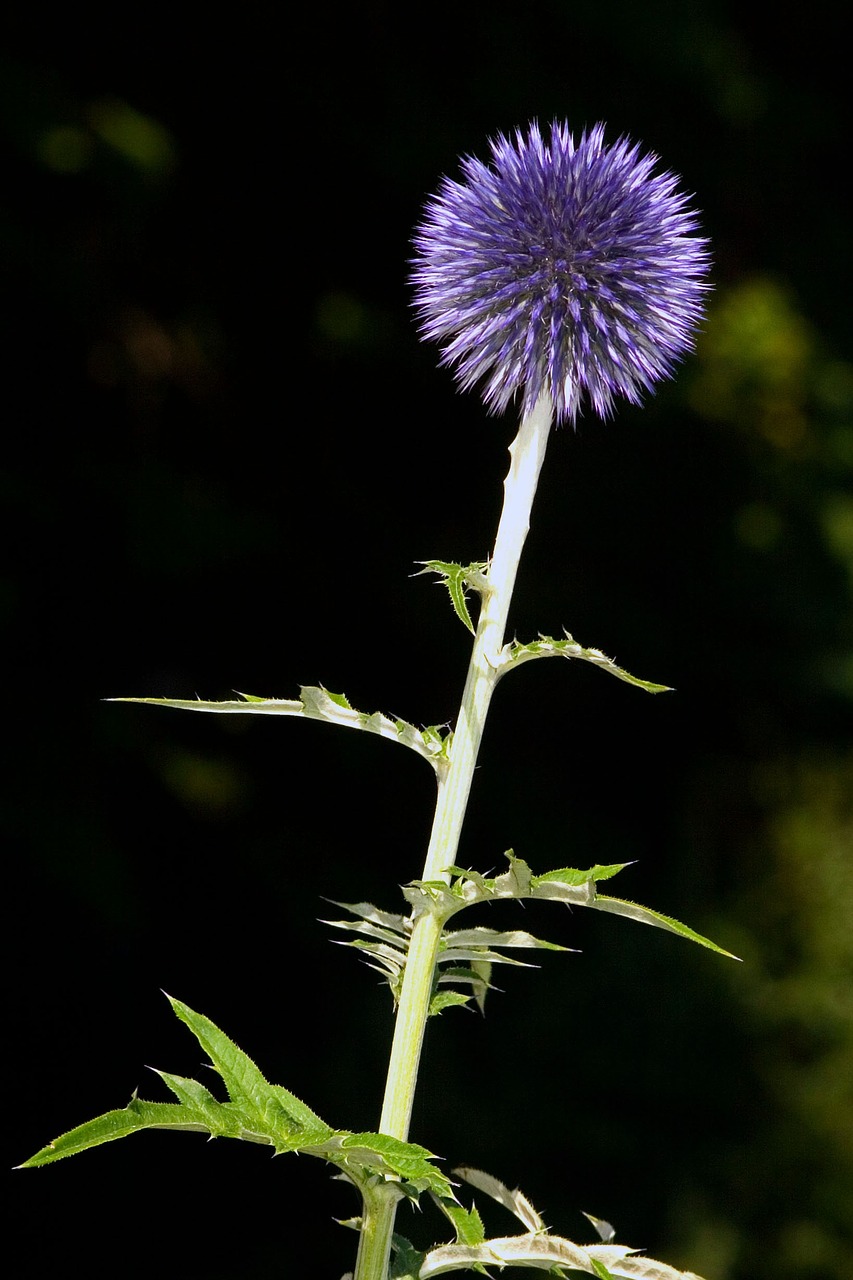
x,y
527,453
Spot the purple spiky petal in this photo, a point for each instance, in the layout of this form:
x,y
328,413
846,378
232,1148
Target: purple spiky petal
x,y
571,268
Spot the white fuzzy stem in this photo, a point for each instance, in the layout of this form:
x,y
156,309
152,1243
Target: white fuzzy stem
x,y
527,454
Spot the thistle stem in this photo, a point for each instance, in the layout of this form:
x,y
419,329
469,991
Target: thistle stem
x,y
527,453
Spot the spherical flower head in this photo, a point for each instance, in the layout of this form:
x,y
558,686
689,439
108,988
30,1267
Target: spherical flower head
x,y
562,267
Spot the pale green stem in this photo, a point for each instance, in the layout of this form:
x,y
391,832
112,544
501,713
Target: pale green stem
x,y
527,453
377,1225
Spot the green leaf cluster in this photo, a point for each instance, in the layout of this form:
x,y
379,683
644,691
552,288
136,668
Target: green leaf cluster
x,y
466,956
256,1111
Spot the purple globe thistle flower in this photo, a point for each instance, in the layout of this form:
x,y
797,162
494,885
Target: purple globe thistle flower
x,y
562,268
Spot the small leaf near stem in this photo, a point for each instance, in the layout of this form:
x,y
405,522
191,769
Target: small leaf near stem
x,y
457,578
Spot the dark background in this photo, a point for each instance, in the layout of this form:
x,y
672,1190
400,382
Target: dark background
x,y
224,451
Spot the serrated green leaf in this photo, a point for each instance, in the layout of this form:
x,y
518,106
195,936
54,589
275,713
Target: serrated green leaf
x,y
445,1000
568,884
457,578
571,885
317,703
573,876
515,654
193,1095
242,1078
644,915
519,872
434,896
258,1112
137,1115
467,1223
339,699
461,973
480,881
378,1153
438,739
405,1158
272,1106
477,973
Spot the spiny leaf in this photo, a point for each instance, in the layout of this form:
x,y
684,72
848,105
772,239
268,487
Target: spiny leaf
x,y
464,874
385,940
339,699
194,1096
387,955
481,936
515,654
372,915
569,885
369,930
606,1231
245,1084
515,1201
538,1248
457,578
519,872
446,1000
467,1223
317,703
481,983
434,896
377,1152
135,1116
453,955
242,1078
570,875
646,916
218,1119
477,974
628,1263
257,1111
541,1252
